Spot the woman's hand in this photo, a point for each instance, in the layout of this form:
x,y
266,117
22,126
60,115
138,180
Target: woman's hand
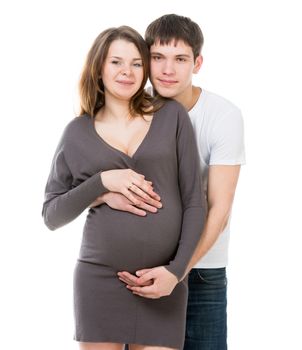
x,y
97,202
132,185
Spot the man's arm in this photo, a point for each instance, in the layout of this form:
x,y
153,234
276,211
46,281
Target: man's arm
x,y
221,190
227,149
222,184
166,277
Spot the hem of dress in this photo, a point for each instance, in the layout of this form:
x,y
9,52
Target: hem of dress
x,y
120,341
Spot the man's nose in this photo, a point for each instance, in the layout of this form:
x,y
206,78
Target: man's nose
x,y
168,68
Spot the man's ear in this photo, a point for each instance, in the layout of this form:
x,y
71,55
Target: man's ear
x,y
198,64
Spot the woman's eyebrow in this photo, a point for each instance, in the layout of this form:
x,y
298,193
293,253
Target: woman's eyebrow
x,y
121,58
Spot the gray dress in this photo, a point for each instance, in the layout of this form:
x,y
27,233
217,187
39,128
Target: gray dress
x,y
105,310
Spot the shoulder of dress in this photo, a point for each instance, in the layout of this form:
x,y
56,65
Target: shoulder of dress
x,y
78,123
173,109
76,127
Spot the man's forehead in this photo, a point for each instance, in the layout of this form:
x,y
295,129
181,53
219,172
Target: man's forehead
x,y
173,46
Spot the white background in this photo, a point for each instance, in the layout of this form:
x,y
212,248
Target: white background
x,y
252,56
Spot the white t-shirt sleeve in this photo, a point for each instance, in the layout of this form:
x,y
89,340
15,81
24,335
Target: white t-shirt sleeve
x,y
227,139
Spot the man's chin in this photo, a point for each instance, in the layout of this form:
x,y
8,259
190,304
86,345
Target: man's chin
x,y
166,92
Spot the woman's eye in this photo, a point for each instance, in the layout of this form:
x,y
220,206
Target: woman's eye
x,y
115,62
137,64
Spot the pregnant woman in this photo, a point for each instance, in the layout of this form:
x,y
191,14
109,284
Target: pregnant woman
x,y
127,142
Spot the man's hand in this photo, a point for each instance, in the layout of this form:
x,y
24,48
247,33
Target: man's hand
x,y
132,280
120,202
163,282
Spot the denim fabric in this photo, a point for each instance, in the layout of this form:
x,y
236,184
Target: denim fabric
x,y
206,313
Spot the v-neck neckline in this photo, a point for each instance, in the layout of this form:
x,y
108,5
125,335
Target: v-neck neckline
x,y
140,146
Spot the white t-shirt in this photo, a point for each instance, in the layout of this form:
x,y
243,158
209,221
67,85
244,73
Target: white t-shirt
x,y
218,127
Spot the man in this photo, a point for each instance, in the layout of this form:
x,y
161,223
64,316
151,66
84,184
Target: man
x,y
175,44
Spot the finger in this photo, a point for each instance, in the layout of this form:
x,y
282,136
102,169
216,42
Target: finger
x,y
148,276
142,272
147,207
131,197
125,280
128,276
133,280
145,290
144,186
135,188
146,198
153,202
128,282
134,210
136,175
139,203
143,293
131,283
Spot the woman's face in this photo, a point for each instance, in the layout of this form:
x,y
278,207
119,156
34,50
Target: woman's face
x,y
122,72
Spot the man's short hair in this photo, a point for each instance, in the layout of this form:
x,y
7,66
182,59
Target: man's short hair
x,y
171,27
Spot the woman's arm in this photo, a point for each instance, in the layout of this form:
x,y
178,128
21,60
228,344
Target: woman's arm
x,y
62,202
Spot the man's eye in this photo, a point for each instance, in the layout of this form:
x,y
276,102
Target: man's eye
x,y
180,59
156,58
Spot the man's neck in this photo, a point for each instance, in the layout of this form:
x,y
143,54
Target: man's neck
x,y
189,97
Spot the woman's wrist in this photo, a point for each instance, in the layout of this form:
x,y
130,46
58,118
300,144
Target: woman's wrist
x,y
104,197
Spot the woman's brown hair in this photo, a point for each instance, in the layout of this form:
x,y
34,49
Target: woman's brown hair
x,y
91,88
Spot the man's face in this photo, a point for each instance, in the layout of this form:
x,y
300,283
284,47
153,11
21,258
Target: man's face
x,y
172,67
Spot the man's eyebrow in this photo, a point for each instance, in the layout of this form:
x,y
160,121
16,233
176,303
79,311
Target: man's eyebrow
x,y
183,55
180,55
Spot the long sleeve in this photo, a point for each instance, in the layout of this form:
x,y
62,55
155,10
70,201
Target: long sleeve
x,y
64,202
192,196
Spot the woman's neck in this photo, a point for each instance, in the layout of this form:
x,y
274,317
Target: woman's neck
x,y
114,110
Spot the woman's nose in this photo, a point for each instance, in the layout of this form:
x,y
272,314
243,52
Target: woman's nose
x,y
126,70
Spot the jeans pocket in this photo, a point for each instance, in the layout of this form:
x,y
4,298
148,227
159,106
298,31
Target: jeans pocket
x,y
215,277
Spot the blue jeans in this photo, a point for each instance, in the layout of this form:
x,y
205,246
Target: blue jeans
x,y
206,313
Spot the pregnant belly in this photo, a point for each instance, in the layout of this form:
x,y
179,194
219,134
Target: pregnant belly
x,y
125,241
